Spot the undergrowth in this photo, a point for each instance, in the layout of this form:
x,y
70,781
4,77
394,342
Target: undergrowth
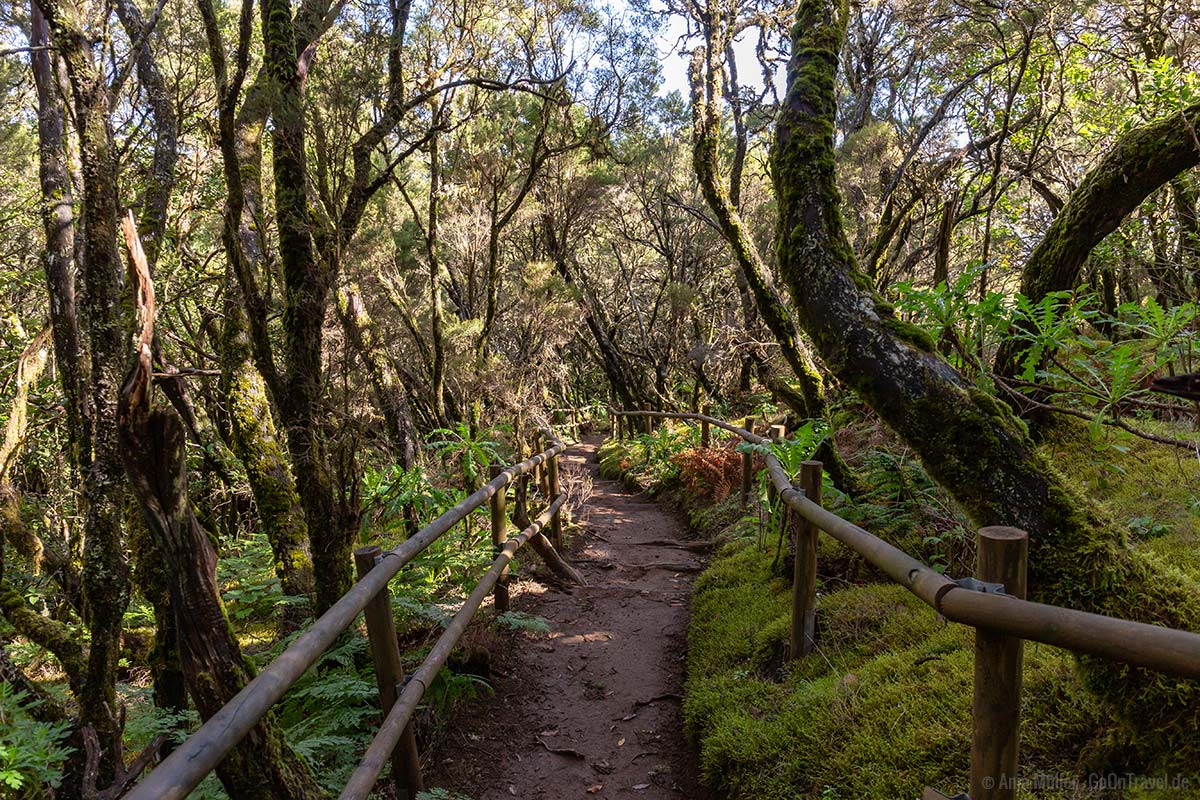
x,y
883,708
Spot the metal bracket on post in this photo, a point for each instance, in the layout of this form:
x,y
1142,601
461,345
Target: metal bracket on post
x,y
983,587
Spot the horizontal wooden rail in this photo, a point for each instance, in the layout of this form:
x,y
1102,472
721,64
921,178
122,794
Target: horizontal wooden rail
x,y
363,780
201,752
1155,647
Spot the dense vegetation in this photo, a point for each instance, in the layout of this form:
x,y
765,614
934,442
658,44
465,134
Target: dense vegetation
x,y
883,709
282,278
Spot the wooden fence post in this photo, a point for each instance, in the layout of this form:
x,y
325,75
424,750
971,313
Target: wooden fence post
x,y
499,503
648,422
389,675
556,536
804,570
777,433
521,501
535,448
996,711
747,466
705,434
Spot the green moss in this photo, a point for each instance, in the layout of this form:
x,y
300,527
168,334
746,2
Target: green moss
x,y
882,710
1136,480
610,453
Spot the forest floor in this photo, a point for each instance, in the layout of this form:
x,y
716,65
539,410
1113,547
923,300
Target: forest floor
x,y
591,708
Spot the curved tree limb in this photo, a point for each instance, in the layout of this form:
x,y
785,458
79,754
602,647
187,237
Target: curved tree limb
x,y
970,443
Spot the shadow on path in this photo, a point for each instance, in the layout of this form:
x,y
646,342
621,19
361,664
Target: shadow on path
x,y
592,708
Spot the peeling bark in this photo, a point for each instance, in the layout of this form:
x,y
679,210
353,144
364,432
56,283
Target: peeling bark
x,y
262,765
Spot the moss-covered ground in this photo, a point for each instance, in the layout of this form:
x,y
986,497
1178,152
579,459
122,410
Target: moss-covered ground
x,y
882,709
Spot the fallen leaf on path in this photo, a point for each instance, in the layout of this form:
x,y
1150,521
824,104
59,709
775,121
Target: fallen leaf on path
x,y
594,788
621,742
640,786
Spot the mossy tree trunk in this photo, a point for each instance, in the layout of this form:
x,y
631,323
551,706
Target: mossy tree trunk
x,y
705,76
256,441
969,442
105,570
148,570
249,378
706,128
308,282
307,248
1140,162
58,219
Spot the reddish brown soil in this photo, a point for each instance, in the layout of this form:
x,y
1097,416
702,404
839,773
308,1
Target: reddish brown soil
x,y
592,708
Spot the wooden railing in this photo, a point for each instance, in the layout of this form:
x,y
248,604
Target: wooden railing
x,y
201,752
992,602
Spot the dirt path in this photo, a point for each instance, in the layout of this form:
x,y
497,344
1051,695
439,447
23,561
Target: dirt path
x,y
592,708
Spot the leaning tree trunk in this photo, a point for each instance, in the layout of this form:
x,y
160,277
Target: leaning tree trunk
x,y
153,442
385,383
706,126
1139,162
623,379
705,79
968,441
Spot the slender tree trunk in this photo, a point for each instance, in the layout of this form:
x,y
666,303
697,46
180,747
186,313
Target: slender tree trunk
x,y
437,376
307,286
621,376
967,440
1187,217
254,437
58,218
248,375
105,571
161,181
705,78
706,124
385,383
